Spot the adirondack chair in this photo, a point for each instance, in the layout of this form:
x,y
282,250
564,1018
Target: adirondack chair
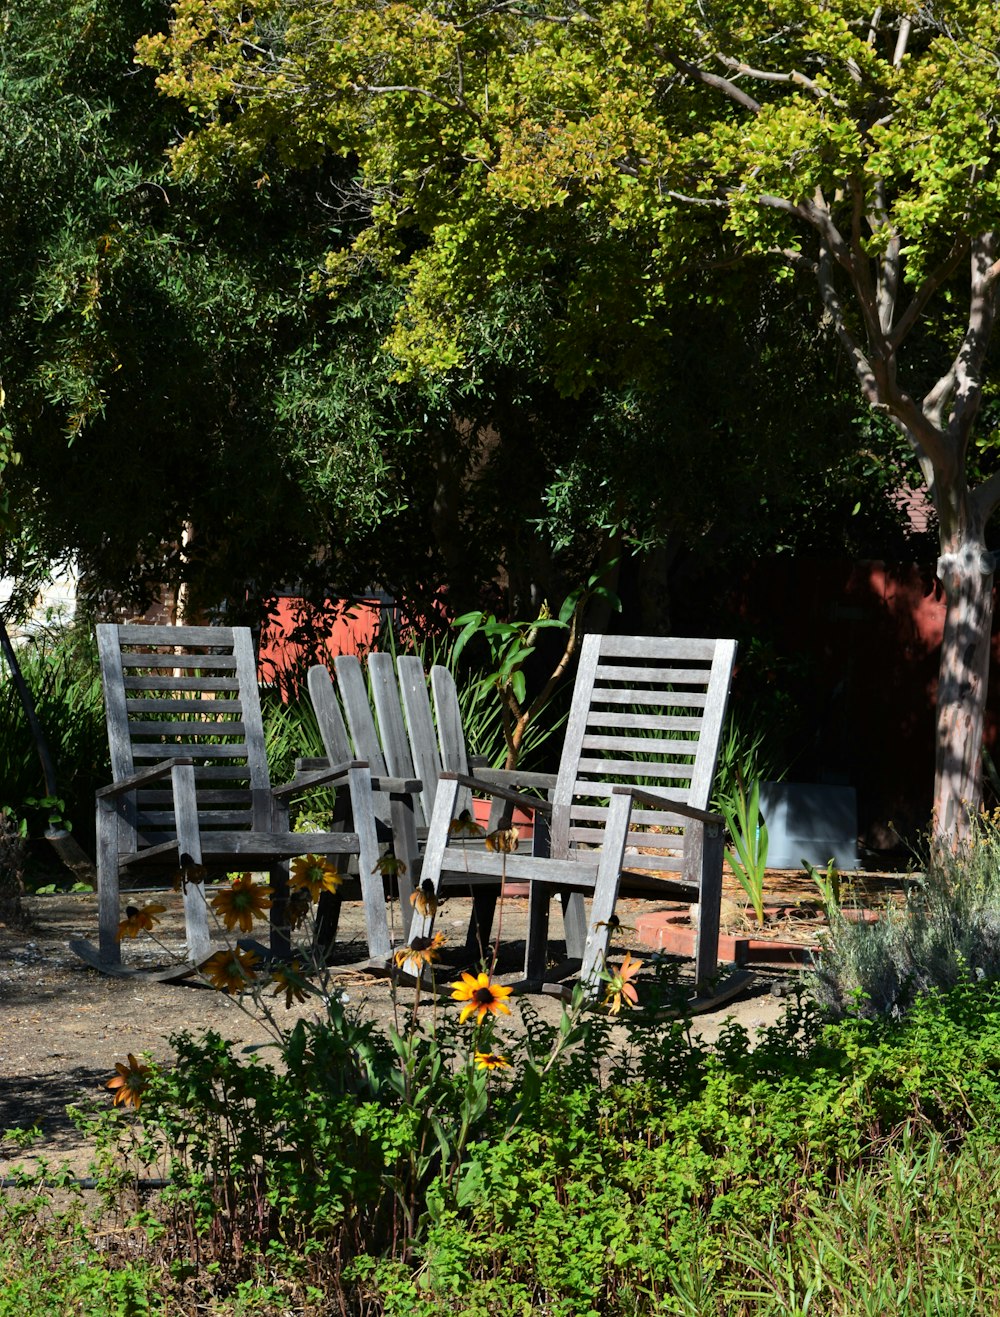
x,y
632,790
408,746
191,786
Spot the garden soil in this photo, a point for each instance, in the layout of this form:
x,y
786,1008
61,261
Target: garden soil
x,y
63,1025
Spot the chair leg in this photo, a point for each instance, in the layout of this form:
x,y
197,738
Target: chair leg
x,y
281,933
199,942
372,888
405,848
574,924
605,890
108,913
706,965
536,946
327,922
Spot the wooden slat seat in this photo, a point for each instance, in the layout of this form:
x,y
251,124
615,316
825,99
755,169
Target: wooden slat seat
x,y
191,787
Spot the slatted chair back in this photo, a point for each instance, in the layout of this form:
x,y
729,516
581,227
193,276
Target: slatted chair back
x,y
646,711
185,692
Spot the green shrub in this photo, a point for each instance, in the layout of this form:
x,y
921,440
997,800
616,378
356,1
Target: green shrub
x,y
948,929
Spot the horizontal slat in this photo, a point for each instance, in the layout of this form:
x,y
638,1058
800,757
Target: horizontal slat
x,y
152,750
652,722
192,727
683,699
196,662
208,796
168,682
603,790
659,648
578,872
662,863
633,768
216,637
654,676
230,773
210,708
164,818
647,818
640,745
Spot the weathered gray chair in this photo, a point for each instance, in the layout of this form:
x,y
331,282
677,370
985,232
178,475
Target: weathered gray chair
x,y
408,745
191,789
633,788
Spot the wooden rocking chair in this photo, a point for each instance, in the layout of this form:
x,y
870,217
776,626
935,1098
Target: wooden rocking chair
x,y
632,791
191,790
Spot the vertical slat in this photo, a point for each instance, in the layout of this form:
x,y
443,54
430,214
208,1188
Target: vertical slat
x,y
260,781
186,815
700,790
576,727
426,758
354,697
536,945
109,643
199,943
437,841
451,737
405,849
331,721
385,694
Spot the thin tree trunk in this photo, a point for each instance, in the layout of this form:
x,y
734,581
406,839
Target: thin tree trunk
x,y
966,573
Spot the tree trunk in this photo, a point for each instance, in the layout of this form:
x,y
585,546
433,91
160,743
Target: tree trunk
x,y
965,569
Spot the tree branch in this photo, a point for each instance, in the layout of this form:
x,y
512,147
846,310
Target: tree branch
x,y
713,80
926,291
765,75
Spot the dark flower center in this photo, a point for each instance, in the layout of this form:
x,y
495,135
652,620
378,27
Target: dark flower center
x,y
483,996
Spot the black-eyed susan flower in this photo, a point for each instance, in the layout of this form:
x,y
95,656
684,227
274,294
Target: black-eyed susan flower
x,y
421,951
491,1061
503,840
620,990
287,979
241,903
424,900
139,919
231,970
481,997
314,874
465,826
129,1084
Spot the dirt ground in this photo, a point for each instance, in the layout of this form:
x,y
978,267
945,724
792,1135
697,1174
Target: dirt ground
x,y
63,1025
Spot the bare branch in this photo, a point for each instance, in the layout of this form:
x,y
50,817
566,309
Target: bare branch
x,y
766,75
713,80
696,201
902,41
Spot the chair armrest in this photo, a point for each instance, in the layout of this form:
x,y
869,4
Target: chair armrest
x,y
505,793
397,786
643,796
514,777
151,774
315,777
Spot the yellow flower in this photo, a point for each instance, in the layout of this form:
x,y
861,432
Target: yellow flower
x,y
504,839
491,1061
231,970
314,874
241,903
465,826
129,1083
422,951
481,997
287,979
620,990
390,867
424,899
139,920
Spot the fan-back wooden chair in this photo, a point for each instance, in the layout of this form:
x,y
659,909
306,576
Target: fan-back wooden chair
x,y
191,789
632,791
408,744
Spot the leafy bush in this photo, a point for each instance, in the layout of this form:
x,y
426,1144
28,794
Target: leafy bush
x,y
61,669
949,928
